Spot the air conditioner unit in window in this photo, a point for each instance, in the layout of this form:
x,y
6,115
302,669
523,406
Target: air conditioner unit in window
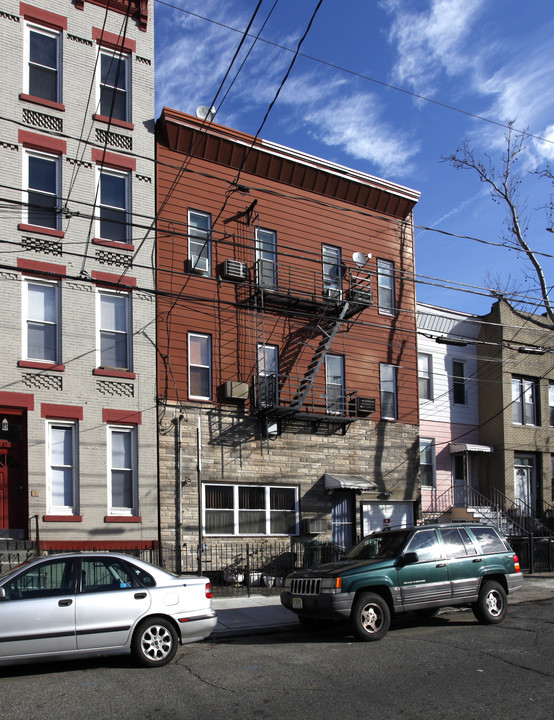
x,y
235,390
314,526
234,270
199,264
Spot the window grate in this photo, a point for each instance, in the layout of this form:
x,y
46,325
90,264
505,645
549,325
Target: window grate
x,y
114,139
38,119
46,247
111,258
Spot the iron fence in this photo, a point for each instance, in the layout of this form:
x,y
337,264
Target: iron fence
x,y
535,553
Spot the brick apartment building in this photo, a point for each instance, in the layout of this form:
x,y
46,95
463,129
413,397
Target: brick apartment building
x,y
77,381
287,354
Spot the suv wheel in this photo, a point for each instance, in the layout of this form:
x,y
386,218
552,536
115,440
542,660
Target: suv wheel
x,y
370,617
491,605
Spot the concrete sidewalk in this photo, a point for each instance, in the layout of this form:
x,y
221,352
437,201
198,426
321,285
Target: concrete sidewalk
x,y
264,614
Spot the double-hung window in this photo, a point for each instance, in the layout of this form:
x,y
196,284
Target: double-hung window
x,y
114,205
424,368
268,375
200,366
62,475
332,272
334,384
44,63
266,258
389,402
385,286
525,401
200,231
42,178
459,394
122,479
427,461
114,324
114,84
41,327
250,510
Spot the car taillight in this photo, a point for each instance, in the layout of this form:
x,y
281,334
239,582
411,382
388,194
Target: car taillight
x,y
516,563
209,592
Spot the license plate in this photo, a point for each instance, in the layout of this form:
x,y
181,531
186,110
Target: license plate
x,y
297,603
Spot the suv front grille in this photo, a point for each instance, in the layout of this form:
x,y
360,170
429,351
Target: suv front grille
x,y
306,586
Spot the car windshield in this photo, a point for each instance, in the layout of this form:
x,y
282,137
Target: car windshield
x,y
380,546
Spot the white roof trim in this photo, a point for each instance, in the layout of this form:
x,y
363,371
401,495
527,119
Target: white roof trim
x,y
349,482
470,447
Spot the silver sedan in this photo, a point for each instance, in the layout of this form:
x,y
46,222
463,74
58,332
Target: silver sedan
x,y
99,604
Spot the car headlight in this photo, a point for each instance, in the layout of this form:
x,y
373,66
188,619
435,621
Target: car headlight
x,y
288,584
331,585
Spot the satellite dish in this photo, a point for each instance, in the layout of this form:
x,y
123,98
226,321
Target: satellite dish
x,y
205,113
359,258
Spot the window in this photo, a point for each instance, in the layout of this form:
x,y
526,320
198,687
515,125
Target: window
x,y
114,201
334,384
427,461
49,579
458,383
114,326
425,544
200,366
389,410
250,510
551,403
41,312
44,63
62,475
266,258
425,369
524,401
114,85
200,233
332,272
457,542
43,189
489,540
105,575
385,286
268,373
122,480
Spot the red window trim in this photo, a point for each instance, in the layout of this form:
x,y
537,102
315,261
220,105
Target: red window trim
x,y
39,365
121,417
139,9
44,17
114,373
114,121
62,518
43,269
41,230
123,519
61,412
113,41
113,244
113,160
42,101
111,279
17,400
46,143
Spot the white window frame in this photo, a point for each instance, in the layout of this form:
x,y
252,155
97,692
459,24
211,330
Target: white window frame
x,y
208,367
26,320
332,271
50,157
51,508
425,374
385,284
105,51
100,294
50,32
200,259
102,171
385,386
265,255
131,430
267,509
331,405
427,445
526,386
460,380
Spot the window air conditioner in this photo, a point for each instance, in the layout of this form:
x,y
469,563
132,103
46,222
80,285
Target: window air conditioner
x,y
314,526
199,264
235,390
234,270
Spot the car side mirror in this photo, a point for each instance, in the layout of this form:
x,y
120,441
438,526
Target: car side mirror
x,y
2,593
409,558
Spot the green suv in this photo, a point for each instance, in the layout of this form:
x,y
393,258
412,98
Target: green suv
x,y
420,569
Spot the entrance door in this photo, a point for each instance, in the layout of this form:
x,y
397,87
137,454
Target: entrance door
x,y
524,478
13,494
342,518
4,487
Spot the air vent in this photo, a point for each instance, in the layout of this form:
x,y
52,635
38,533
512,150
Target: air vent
x,y
234,270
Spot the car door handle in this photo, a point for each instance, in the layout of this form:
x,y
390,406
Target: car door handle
x,y
441,565
477,559
140,596
65,603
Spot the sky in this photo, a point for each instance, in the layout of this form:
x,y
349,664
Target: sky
x,y
389,88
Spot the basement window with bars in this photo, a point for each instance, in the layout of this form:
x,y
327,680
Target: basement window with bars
x,y
250,510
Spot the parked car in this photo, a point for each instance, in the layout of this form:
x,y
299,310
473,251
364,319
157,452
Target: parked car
x,y
420,569
99,604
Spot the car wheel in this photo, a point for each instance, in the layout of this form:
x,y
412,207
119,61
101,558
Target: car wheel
x,y
492,604
155,642
370,617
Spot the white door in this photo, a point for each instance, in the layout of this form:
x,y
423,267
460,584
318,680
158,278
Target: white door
x,y
523,486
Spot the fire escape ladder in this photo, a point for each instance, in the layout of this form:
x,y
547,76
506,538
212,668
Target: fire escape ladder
x,y
316,362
